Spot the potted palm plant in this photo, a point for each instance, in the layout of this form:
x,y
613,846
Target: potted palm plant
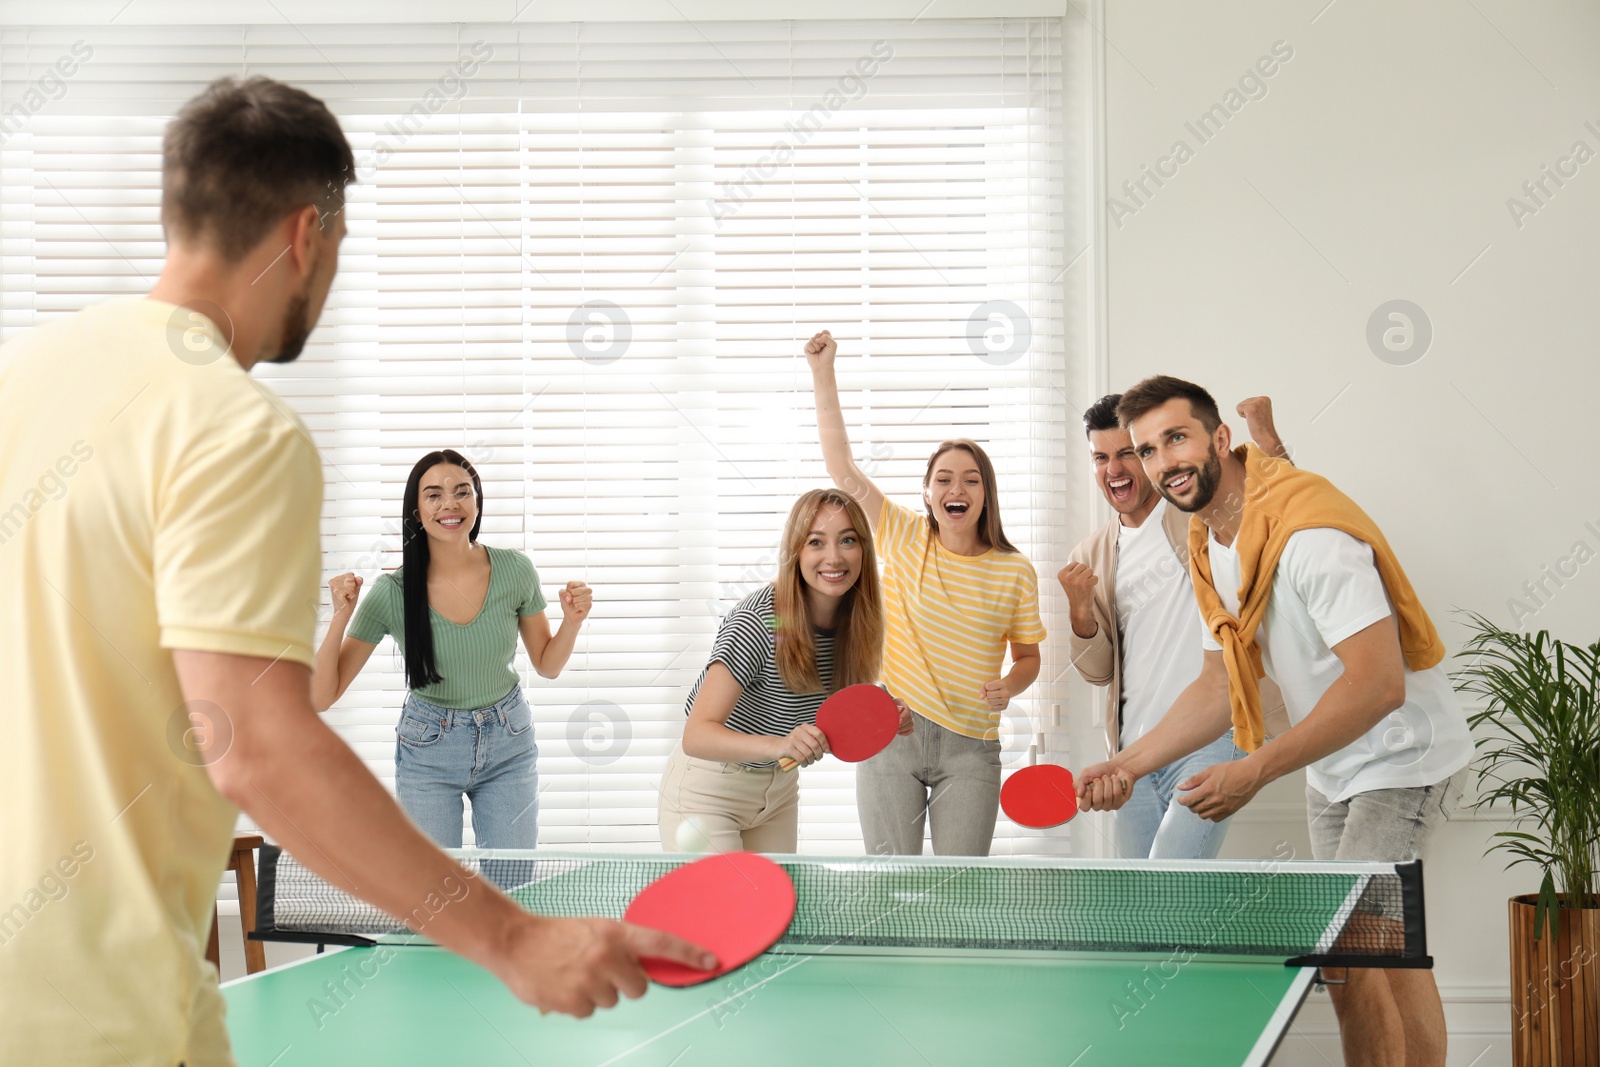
x,y
1537,734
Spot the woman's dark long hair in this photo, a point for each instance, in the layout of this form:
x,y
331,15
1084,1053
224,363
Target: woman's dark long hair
x,y
421,671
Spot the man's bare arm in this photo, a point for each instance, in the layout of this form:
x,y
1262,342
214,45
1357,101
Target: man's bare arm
x,y
1089,642
1199,716
1257,414
1373,684
272,755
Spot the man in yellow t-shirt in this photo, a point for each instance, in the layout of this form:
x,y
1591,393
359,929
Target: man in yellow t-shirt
x,y
159,517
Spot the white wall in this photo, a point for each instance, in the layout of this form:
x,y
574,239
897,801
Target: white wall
x,y
1377,167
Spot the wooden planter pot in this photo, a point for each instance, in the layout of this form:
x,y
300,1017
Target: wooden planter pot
x,y
1555,988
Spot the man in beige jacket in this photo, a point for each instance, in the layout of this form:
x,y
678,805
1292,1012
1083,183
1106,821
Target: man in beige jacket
x,y
1137,632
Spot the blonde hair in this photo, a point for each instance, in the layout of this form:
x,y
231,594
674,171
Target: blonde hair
x,y
858,631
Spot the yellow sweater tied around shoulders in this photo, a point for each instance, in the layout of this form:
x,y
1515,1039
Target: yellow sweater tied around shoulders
x,y
1280,499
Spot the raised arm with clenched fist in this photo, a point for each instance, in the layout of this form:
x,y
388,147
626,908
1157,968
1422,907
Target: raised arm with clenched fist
x,y
345,590
1078,582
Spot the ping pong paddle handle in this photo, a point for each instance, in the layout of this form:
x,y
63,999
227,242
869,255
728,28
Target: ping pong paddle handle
x,y
787,764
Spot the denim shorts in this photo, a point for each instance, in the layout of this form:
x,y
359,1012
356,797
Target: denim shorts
x,y
1386,825
1390,825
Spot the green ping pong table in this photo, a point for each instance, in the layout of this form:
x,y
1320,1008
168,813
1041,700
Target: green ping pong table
x,y
911,962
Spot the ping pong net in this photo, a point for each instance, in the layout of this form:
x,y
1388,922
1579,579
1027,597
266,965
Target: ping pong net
x,y
1307,914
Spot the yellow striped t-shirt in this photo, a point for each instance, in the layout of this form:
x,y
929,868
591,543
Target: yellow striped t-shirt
x,y
950,619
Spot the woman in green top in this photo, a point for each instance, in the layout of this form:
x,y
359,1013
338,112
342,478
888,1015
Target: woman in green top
x,y
465,728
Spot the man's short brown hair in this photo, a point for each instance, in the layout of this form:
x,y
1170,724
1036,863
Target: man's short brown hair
x,y
1157,390
241,156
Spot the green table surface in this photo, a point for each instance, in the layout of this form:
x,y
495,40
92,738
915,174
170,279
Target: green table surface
x,y
400,1005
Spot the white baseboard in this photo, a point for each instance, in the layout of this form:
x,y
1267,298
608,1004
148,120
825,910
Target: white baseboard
x,y
1477,1019
1469,1010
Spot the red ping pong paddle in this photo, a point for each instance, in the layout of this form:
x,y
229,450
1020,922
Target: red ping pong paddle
x,y
859,721
736,904
1039,797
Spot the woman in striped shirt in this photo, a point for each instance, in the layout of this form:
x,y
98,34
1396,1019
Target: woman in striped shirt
x,y
957,594
779,652
455,609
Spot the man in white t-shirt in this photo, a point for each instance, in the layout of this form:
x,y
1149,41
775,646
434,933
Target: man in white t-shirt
x,y
1134,631
1382,745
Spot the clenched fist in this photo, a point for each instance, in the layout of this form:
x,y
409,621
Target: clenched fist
x,y
907,723
1256,411
1078,582
997,694
346,589
576,600
821,349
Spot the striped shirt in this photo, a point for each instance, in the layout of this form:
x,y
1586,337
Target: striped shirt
x,y
473,661
747,645
949,621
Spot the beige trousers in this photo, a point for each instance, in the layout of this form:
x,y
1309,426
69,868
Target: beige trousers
x,y
728,807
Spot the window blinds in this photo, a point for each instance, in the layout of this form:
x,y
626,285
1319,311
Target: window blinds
x,y
587,256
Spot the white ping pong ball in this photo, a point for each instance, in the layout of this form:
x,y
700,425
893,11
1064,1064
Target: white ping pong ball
x,y
692,836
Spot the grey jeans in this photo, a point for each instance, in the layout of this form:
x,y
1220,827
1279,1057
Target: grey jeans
x,y
930,775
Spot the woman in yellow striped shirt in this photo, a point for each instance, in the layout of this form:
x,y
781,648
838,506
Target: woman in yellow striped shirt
x,y
957,595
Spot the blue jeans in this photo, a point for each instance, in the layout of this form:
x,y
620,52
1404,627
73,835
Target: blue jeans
x,y
1153,825
487,754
